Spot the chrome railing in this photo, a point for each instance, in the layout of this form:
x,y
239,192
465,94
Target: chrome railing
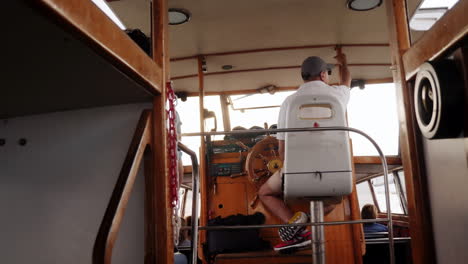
x,y
306,129
195,190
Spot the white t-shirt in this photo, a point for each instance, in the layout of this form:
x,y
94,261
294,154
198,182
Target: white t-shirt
x,y
341,92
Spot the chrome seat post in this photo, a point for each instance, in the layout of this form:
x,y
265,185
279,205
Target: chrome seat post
x,y
318,233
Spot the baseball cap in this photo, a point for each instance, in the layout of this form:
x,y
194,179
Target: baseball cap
x,y
314,65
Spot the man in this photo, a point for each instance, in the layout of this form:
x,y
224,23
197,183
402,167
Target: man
x,y
315,73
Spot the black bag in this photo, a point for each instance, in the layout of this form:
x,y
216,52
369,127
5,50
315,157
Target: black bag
x,y
240,240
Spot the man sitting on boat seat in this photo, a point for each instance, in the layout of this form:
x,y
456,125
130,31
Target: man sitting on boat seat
x,y
315,73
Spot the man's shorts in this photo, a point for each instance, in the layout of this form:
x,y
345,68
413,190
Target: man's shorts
x,y
276,180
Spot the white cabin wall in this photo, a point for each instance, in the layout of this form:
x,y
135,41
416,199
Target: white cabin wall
x,y
55,189
447,174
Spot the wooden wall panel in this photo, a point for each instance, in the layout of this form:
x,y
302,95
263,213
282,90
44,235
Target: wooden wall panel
x,y
343,242
230,198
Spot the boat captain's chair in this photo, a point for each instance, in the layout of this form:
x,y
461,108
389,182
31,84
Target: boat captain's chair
x,y
317,164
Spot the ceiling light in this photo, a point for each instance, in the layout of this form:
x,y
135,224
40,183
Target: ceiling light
x,y
178,16
363,5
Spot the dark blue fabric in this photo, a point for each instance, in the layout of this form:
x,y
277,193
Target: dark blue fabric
x,y
374,227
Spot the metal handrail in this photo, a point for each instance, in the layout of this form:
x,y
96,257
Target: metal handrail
x,y
110,224
378,241
293,224
195,190
317,129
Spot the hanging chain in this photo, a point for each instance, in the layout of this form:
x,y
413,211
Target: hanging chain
x,y
172,161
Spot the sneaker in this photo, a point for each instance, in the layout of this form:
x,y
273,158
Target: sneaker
x,y
287,233
306,234
300,241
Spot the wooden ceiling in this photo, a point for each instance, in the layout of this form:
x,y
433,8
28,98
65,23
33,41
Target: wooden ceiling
x,y
224,26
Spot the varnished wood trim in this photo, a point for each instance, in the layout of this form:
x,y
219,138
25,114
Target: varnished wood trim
x,y
239,92
162,198
444,33
204,190
150,206
282,89
370,177
225,111
391,160
280,49
374,197
107,234
188,169
359,242
379,80
275,68
89,23
422,241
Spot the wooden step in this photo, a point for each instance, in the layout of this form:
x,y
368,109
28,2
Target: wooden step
x,y
265,257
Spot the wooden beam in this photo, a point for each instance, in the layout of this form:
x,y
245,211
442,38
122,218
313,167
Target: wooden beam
x,y
379,80
225,109
391,160
422,242
449,29
88,22
359,242
164,240
201,87
282,89
204,190
279,49
275,68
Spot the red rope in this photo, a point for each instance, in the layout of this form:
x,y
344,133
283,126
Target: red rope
x,y
172,145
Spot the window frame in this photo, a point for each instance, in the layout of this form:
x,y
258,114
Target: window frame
x,y
398,188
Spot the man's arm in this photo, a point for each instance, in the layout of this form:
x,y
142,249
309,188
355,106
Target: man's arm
x,y
344,74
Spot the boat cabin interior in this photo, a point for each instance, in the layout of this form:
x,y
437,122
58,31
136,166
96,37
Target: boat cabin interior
x,y
144,131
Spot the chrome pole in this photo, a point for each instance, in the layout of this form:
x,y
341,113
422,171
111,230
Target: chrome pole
x,y
318,234
195,190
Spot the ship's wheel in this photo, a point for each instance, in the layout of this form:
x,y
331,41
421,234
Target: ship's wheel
x,y
262,161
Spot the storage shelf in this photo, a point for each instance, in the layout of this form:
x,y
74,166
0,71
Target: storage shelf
x,y
67,54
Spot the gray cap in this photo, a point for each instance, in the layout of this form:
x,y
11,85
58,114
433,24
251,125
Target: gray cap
x,y
314,66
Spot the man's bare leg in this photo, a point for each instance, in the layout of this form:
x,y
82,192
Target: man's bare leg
x,y
273,202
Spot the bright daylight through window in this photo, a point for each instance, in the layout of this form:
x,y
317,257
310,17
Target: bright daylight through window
x,y
372,110
429,12
108,11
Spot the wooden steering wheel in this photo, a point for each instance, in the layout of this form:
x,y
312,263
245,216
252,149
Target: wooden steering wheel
x,y
262,161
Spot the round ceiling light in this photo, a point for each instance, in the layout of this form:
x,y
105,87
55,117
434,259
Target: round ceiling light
x,y
178,16
363,5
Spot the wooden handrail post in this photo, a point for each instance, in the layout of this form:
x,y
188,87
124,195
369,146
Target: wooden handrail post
x,y
422,242
203,178
163,237
110,225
